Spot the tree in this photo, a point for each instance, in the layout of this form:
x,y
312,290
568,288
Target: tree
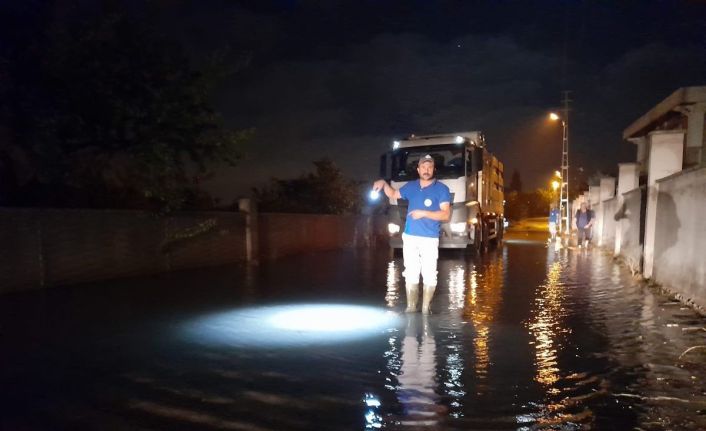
x,y
528,204
325,191
110,114
516,182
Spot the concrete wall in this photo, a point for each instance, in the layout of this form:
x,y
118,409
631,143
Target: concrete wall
x,y
630,224
51,247
680,235
608,223
597,229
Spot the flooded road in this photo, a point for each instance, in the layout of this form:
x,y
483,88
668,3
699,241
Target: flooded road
x,y
525,337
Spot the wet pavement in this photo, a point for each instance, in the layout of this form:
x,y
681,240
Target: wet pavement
x,y
525,337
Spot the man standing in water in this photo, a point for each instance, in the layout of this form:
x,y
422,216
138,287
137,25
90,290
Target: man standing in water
x,y
553,222
583,221
429,206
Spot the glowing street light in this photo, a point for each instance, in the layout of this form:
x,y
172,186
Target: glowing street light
x,y
564,174
555,185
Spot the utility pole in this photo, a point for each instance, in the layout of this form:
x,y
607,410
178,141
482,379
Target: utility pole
x,y
564,214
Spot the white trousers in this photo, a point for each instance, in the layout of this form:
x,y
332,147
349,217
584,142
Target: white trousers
x,y
420,255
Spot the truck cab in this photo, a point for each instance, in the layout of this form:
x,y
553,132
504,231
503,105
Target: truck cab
x,y
473,175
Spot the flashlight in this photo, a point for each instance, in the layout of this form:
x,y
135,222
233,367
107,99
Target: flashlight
x,y
374,195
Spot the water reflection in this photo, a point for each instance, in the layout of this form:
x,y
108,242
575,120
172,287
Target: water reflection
x,y
457,287
417,378
454,363
392,295
546,326
373,418
482,304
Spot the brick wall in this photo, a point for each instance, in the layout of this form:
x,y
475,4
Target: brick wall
x,y
287,234
51,247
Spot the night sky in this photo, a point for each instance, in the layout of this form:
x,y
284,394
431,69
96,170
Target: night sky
x,y
342,79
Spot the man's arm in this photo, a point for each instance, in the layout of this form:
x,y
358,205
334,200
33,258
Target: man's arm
x,y
442,215
389,191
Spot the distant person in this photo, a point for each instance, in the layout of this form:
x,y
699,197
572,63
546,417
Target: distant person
x,y
429,206
553,221
583,222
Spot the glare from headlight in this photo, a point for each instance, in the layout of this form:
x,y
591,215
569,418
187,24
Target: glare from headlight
x,y
458,227
474,220
393,228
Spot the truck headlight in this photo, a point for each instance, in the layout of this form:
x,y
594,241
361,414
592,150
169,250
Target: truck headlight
x,y
458,227
393,228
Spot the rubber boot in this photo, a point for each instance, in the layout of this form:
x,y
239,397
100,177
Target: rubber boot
x,y
428,293
412,297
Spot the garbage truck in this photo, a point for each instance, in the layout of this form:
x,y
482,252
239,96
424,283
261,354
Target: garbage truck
x,y
473,175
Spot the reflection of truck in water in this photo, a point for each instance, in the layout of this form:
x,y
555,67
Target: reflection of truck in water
x,y
474,177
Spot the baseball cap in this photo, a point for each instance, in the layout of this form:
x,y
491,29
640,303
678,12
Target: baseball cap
x,y
427,158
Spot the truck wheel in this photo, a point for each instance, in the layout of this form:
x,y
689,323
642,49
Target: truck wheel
x,y
497,241
485,244
477,240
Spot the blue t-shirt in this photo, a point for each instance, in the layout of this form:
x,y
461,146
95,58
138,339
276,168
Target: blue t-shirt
x,y
428,198
582,218
554,216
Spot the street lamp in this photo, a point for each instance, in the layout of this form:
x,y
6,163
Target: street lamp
x,y
564,175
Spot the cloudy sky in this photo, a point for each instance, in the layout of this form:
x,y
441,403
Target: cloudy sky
x,y
343,79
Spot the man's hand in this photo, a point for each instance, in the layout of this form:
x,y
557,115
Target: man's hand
x,y
387,189
442,215
379,185
417,214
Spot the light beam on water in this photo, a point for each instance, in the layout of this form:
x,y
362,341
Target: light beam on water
x,y
291,325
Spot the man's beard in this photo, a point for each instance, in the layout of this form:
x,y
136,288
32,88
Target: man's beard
x,y
427,176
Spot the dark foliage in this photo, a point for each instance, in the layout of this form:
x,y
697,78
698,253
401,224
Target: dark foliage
x,y
98,111
326,191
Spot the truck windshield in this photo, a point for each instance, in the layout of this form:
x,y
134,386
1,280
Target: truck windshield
x,y
449,162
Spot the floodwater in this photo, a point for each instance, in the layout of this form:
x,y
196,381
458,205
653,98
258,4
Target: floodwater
x,y
526,337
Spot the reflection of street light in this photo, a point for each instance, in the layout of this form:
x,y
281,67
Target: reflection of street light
x,y
564,175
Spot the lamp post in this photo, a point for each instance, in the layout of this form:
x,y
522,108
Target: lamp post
x,y
564,194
